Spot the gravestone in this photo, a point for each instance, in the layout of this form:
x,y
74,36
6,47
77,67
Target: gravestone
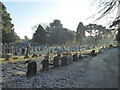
x,y
27,52
34,55
47,56
34,50
7,57
56,61
31,69
75,57
23,51
93,53
15,51
12,51
80,57
64,61
45,64
59,55
40,55
3,52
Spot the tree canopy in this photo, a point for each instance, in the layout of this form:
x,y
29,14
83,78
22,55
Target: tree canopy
x,y
53,34
80,34
8,33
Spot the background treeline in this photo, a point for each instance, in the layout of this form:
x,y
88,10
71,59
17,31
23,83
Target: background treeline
x,y
91,34
55,33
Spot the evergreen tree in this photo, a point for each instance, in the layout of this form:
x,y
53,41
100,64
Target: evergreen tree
x,y
80,34
8,33
40,36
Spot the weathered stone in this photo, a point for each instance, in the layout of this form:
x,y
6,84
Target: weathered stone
x,y
56,61
7,57
3,52
59,55
27,53
40,55
23,51
80,57
45,64
93,53
64,60
31,69
34,55
75,57
15,51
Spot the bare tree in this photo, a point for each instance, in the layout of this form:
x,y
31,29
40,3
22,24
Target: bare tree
x,y
107,7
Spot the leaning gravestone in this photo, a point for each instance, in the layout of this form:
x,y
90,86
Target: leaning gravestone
x,y
75,57
63,60
31,69
56,61
45,64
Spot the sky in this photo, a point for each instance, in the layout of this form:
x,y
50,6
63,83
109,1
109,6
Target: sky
x,y
26,14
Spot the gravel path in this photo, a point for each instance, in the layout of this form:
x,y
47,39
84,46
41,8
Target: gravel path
x,y
102,70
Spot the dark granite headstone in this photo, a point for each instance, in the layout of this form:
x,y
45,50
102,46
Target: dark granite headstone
x,y
93,53
7,57
3,52
75,57
31,69
64,60
45,64
80,57
56,61
34,55
23,51
27,53
15,51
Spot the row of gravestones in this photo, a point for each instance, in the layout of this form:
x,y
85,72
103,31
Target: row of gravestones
x,y
57,61
19,50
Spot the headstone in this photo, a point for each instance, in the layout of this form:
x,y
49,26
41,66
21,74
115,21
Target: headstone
x,y
64,60
15,51
27,52
75,57
38,49
3,52
47,56
51,51
12,51
40,55
34,50
56,61
7,57
93,53
59,55
34,55
45,64
31,69
69,59
23,51
80,57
